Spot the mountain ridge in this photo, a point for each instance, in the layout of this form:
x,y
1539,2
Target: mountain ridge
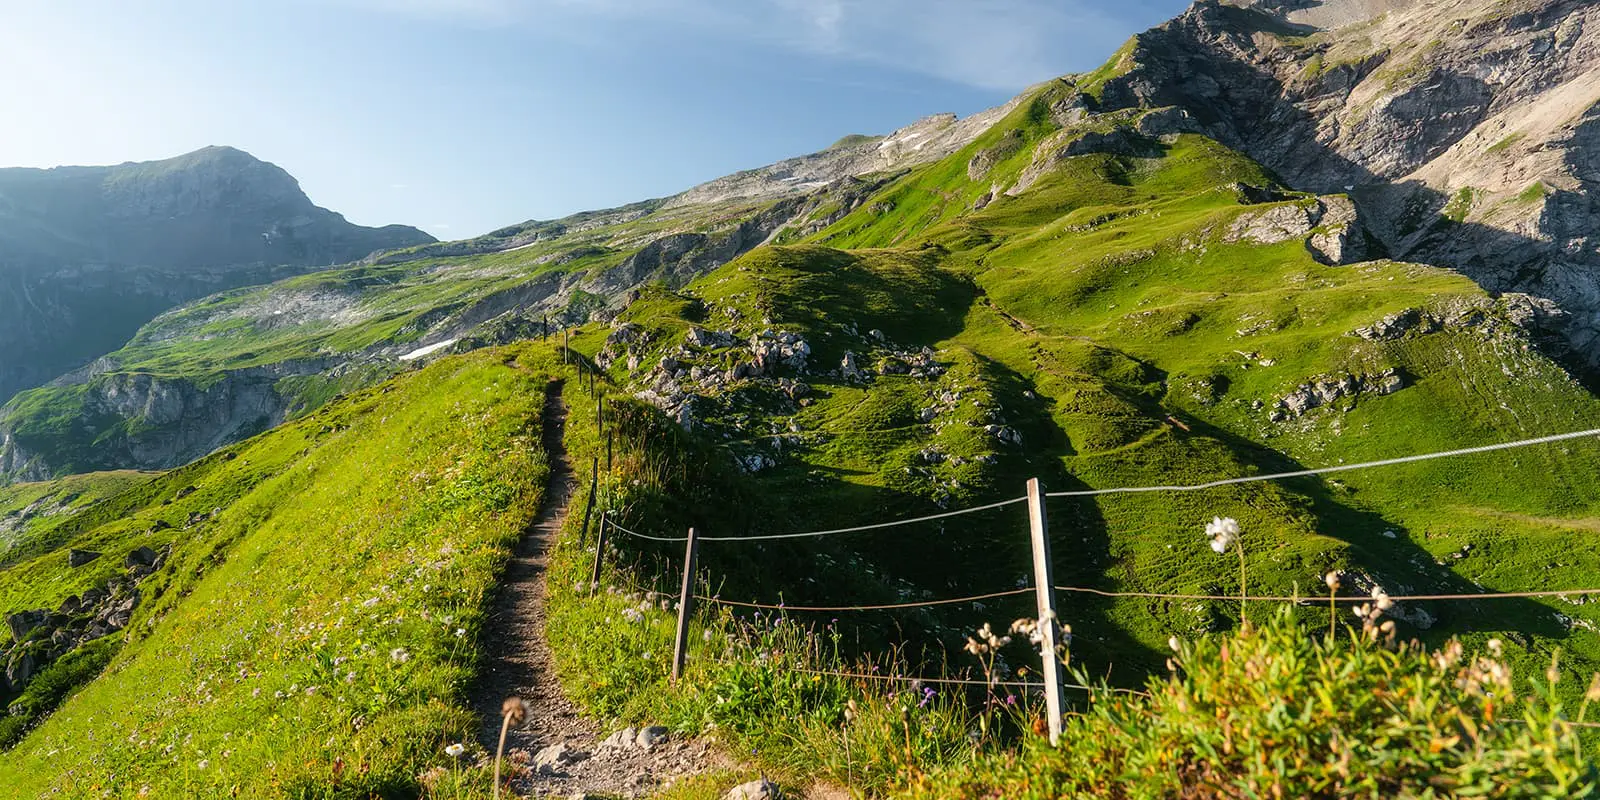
x,y
88,254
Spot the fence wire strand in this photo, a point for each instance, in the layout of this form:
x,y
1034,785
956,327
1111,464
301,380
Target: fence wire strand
x,y
1313,599
1488,448
886,607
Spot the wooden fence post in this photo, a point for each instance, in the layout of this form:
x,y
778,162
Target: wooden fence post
x,y
599,551
545,334
680,645
1044,591
566,344
588,510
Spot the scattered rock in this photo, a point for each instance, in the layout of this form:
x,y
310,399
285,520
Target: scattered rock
x,y
762,789
849,370
552,759
77,558
652,736
620,739
22,623
140,556
1325,391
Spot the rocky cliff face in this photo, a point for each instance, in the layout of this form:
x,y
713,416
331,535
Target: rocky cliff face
x,y
1467,131
88,254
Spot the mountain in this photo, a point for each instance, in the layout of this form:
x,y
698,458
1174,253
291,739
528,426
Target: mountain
x,y
89,254
1116,282
239,362
1467,132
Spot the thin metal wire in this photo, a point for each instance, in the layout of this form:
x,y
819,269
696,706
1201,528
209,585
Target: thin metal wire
x,y
891,606
873,526
645,535
1324,470
1313,599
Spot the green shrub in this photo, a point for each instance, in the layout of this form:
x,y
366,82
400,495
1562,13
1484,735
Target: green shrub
x,y
1281,712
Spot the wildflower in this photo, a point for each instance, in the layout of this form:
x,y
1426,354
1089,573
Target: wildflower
x,y
707,635
851,711
927,696
1495,648
456,750
399,655
202,764
1223,532
369,602
460,632
1380,599
256,692
1332,579
1172,642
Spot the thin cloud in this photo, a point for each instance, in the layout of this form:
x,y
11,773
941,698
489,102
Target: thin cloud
x,y
991,44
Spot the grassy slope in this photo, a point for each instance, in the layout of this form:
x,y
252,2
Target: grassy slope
x,y
270,649
1109,291
336,314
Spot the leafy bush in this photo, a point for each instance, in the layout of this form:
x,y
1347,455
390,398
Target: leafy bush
x,y
1279,712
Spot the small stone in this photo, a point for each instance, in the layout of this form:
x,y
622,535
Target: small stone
x,y
621,739
762,789
551,759
652,736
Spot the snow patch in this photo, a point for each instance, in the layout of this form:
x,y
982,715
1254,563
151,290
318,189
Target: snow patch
x,y
422,351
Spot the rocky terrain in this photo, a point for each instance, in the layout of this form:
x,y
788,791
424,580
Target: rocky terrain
x,y
1465,131
88,254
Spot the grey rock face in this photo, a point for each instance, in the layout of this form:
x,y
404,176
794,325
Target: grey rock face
x,y
1468,133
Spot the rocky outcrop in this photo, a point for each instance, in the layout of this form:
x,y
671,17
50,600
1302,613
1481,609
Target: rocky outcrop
x,y
88,254
40,636
1467,133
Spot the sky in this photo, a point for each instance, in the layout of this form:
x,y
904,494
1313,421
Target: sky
x,y
461,116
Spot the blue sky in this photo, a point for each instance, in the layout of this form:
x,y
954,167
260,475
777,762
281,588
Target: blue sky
x,y
460,116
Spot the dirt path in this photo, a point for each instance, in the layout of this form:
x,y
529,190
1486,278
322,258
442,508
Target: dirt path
x,y
519,663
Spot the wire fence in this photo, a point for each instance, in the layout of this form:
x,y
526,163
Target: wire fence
x,y
1044,588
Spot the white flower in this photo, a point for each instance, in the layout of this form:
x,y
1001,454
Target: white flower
x,y
1381,599
1332,579
1172,642
203,764
399,655
460,632
456,750
1495,647
1222,531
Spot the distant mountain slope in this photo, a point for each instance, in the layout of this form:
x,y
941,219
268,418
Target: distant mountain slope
x,y
240,362
88,254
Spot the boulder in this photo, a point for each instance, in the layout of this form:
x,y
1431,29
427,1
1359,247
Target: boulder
x,y
20,669
77,558
141,556
652,736
22,623
762,789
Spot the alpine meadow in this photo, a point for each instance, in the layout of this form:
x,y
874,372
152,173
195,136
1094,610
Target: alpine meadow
x,y
1218,423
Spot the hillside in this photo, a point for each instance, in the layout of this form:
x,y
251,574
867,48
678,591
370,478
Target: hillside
x,y
327,576
1116,281
89,254
239,362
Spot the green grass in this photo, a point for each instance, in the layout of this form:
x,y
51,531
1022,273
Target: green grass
x,y
316,638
